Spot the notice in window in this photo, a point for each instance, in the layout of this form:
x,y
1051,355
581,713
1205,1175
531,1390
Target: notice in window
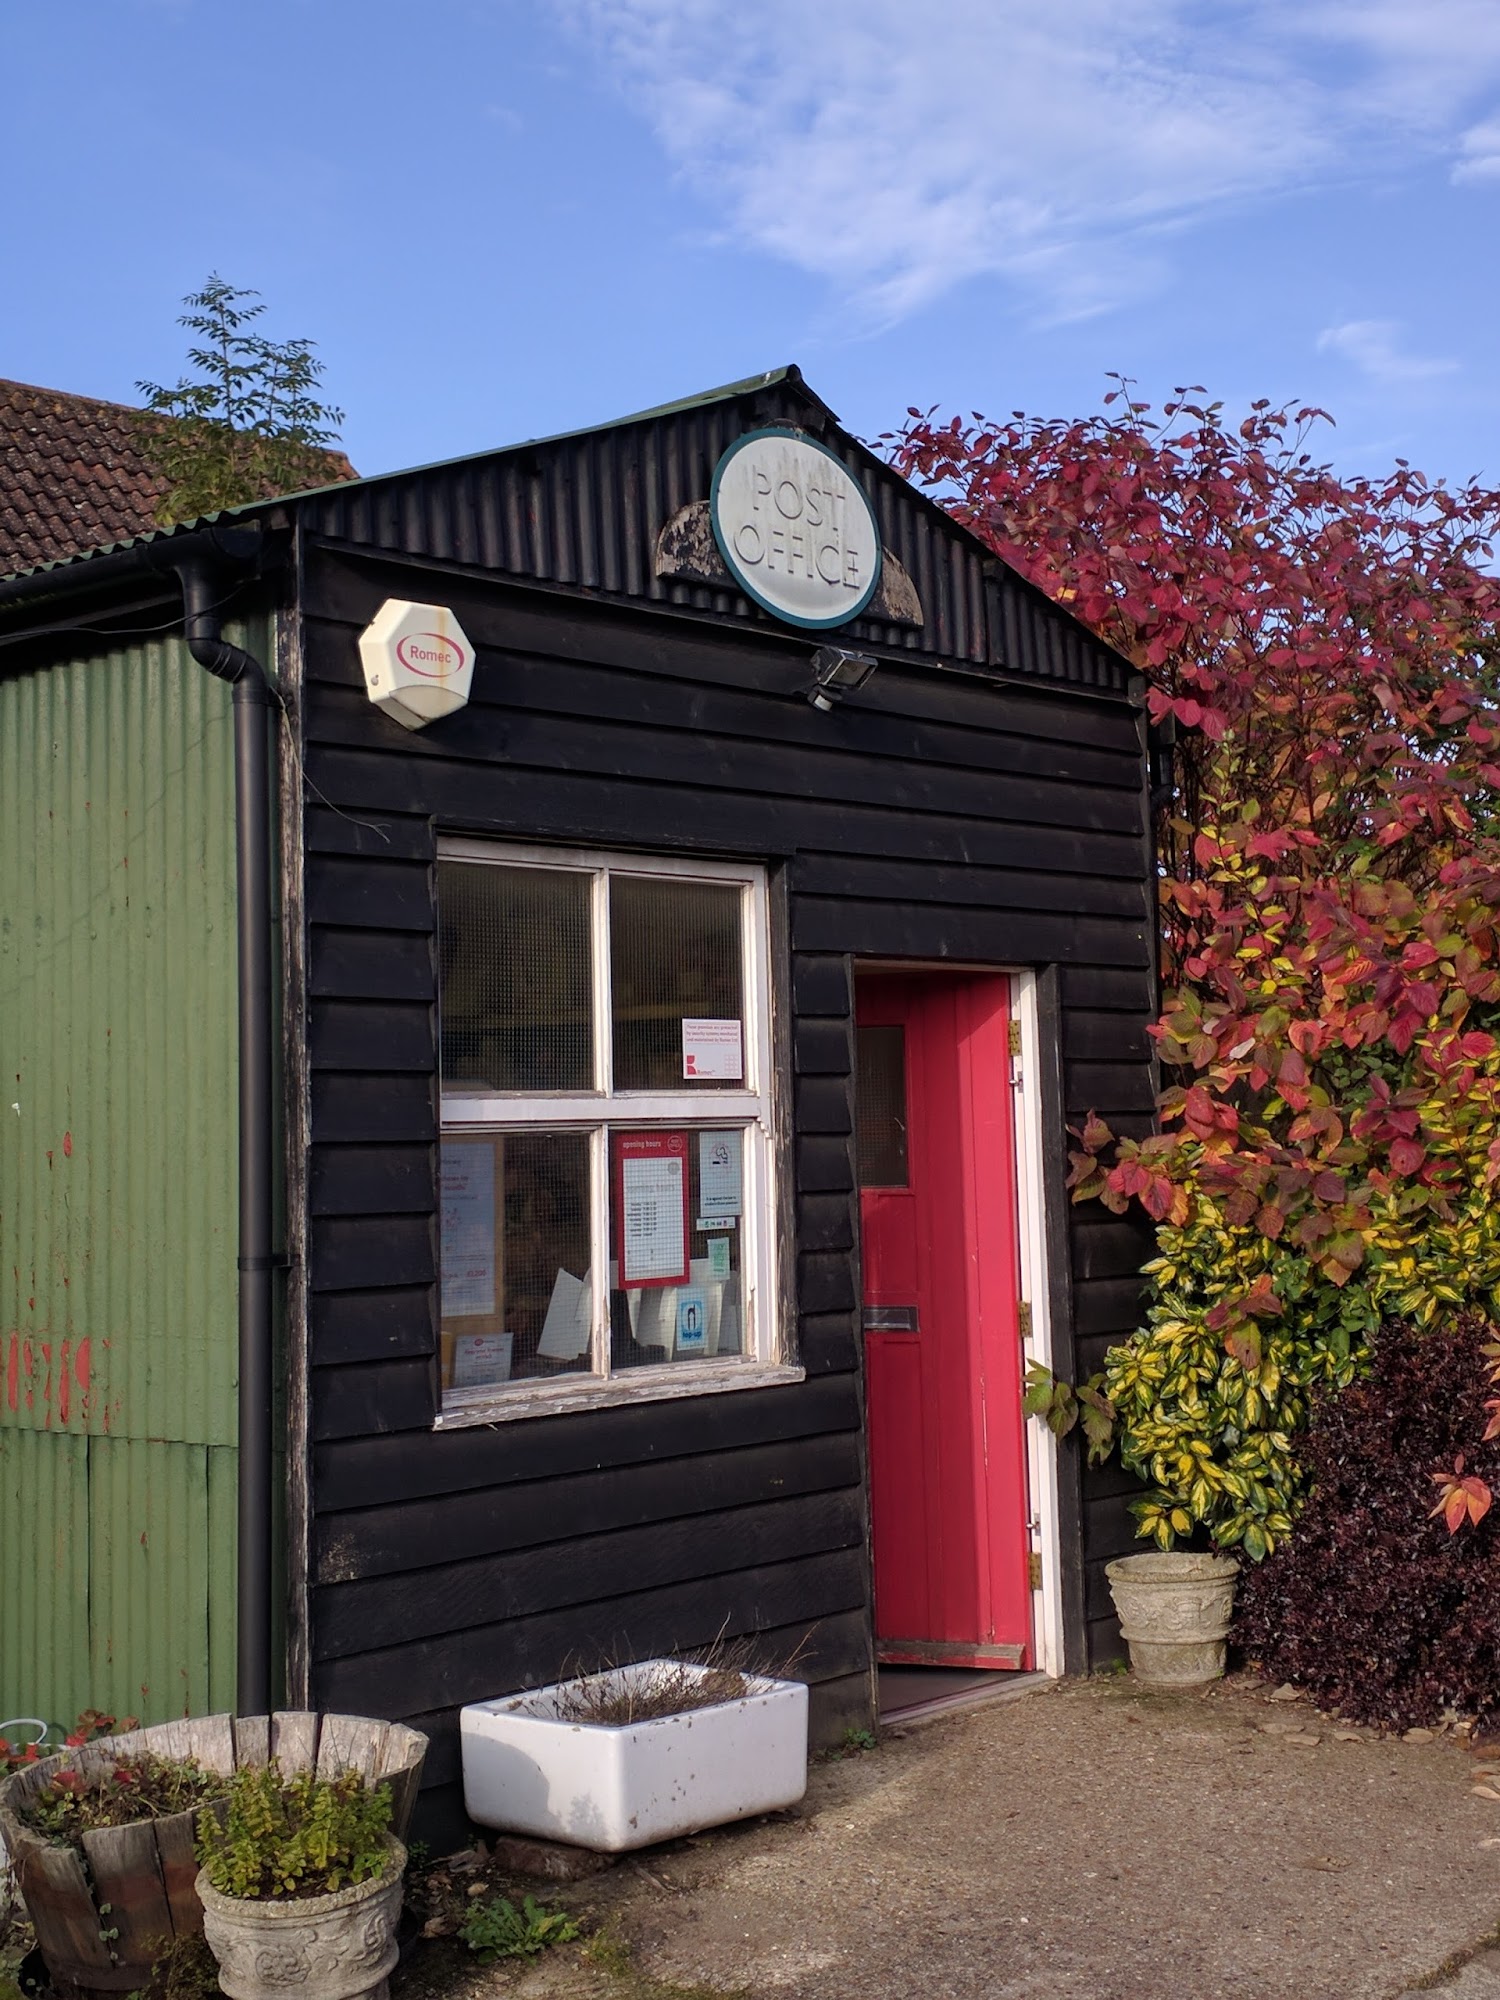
x,y
480,1358
651,1207
565,1333
468,1233
692,1323
713,1051
720,1177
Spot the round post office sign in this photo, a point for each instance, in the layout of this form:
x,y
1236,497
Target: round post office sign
x,y
795,528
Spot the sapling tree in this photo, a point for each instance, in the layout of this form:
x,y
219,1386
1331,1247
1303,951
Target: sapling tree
x,y
248,424
1323,650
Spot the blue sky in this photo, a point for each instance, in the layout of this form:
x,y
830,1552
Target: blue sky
x,y
499,220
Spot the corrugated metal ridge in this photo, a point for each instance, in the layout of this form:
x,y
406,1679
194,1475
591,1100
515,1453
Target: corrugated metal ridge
x,y
1039,638
727,392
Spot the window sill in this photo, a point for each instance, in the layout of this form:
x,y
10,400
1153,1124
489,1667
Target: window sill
x,y
655,1385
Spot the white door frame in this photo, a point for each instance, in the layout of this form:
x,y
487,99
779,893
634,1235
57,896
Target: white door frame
x,y
1043,1526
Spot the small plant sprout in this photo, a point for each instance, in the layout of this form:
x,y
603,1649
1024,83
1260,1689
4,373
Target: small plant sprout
x,y
497,1929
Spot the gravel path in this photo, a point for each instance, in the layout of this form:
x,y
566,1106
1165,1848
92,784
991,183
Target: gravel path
x,y
1090,1841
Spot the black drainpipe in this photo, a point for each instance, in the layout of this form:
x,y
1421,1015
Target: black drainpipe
x,y
202,588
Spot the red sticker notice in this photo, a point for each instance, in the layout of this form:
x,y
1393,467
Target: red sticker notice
x,y
651,1207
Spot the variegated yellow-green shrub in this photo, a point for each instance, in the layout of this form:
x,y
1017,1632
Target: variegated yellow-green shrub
x,y
1319,1179
1319,655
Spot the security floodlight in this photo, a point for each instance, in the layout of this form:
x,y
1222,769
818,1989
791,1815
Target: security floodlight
x,y
835,671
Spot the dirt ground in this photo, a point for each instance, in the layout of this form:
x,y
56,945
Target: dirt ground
x,y
1090,1841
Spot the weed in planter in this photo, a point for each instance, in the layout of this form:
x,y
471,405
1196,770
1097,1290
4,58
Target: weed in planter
x,y
1373,1606
135,1788
721,1671
671,1688
298,1836
497,1929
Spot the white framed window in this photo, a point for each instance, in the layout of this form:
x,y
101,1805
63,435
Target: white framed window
x,y
608,1212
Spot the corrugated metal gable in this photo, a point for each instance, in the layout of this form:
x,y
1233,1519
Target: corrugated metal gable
x,y
584,511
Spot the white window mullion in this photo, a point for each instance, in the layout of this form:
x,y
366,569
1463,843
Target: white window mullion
x,y
646,1108
604,1078
599,1239
604,1021
755,1027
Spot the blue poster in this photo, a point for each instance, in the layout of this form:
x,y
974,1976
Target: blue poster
x,y
692,1323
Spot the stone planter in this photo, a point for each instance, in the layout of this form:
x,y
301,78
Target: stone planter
x,y
1174,1612
341,1946
612,1787
104,1917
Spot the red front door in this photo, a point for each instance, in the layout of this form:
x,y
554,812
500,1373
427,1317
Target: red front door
x,y
942,1338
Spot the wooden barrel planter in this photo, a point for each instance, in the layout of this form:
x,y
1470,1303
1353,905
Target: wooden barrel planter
x,y
104,1917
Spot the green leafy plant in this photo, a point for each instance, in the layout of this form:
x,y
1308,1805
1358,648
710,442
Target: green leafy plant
x,y
249,425
119,1793
298,1836
1319,659
497,1929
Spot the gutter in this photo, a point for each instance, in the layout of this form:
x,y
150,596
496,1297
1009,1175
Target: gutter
x,y
204,563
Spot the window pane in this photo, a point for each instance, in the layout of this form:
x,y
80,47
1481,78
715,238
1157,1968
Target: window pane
x,y
515,1257
517,984
678,983
880,1101
701,1316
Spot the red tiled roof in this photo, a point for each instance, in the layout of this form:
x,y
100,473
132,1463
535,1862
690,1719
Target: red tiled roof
x,y
75,474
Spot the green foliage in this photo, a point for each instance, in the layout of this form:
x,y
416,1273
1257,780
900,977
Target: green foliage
x,y
497,1929
1061,1406
249,425
1319,657
298,1836
858,1741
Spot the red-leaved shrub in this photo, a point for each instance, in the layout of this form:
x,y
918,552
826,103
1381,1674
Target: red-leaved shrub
x,y
1372,1605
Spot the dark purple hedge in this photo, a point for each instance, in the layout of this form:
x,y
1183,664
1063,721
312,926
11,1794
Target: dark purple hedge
x,y
1371,1605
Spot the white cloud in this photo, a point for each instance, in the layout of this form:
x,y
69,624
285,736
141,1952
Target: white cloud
x,y
1480,148
1373,346
896,148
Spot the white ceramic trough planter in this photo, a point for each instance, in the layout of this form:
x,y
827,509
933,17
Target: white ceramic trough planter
x,y
612,1787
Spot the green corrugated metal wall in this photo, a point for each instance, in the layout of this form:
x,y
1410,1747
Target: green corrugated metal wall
x,y
117,1186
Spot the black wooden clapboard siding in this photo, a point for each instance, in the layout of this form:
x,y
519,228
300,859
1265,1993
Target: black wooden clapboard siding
x,y
936,815
797,1593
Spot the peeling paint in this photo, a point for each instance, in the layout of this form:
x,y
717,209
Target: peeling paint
x,y
62,1378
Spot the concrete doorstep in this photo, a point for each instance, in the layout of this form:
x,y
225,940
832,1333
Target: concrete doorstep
x,y
1092,1841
